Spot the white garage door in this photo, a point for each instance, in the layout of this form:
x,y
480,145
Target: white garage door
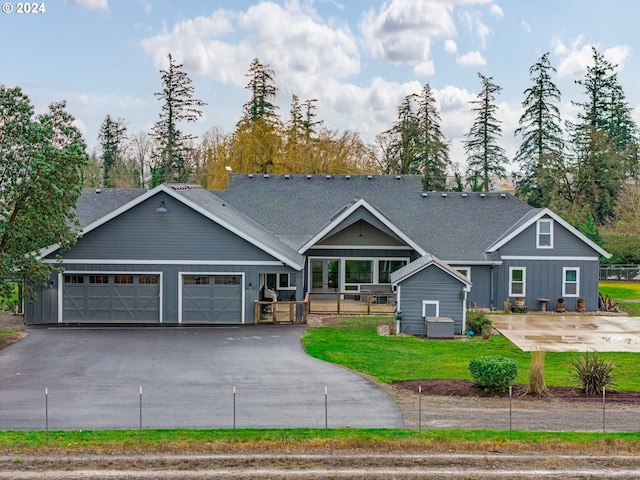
x,y
111,298
212,298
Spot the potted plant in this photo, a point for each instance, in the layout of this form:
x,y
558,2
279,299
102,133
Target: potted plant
x,y
580,305
560,305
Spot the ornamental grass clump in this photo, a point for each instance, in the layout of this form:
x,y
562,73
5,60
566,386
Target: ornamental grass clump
x,y
536,374
593,374
493,372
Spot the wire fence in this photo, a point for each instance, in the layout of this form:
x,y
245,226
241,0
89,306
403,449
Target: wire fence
x,y
620,272
239,407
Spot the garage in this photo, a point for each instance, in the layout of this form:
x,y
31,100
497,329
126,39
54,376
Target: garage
x,y
212,298
111,298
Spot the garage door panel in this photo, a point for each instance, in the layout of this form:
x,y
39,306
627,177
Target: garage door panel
x,y
214,299
111,299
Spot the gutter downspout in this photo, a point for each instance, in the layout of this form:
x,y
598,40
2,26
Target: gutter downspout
x,y
492,288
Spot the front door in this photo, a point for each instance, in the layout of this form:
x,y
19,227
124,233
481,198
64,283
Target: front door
x,y
325,275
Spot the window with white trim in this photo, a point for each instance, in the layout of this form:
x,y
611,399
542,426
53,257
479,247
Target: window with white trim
x,y
571,282
544,233
517,281
286,281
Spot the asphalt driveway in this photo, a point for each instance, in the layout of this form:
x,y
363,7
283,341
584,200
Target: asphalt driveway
x,y
93,379
570,333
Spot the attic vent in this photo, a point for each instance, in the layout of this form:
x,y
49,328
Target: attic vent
x,y
398,177
328,177
98,190
287,177
483,195
347,177
464,195
250,175
503,195
369,177
425,195
444,195
308,177
266,175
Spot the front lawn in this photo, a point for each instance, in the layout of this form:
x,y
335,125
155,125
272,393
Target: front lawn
x,y
398,358
627,294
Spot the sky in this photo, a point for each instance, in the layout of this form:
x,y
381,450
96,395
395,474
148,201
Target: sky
x,y
358,58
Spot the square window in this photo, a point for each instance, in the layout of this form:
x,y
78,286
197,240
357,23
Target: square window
x,y
517,282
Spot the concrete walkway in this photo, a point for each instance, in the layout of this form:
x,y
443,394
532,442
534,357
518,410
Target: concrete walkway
x,y
570,333
93,377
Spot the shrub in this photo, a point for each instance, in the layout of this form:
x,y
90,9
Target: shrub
x,y
536,374
593,374
476,322
493,373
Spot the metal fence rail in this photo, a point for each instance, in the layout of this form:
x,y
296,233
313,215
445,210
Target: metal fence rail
x,y
620,272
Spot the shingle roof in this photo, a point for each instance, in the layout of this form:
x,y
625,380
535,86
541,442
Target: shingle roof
x,y
423,262
95,203
452,226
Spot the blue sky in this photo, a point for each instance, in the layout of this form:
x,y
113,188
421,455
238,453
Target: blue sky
x,y
358,58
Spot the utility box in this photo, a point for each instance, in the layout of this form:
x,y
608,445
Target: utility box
x,y
440,327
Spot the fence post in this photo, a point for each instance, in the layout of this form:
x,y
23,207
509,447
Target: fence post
x,y
140,430
604,417
234,412
419,408
46,413
510,412
326,412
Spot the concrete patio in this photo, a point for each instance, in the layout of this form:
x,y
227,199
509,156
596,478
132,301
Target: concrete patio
x,y
570,333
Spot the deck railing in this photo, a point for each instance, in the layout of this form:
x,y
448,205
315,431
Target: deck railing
x,y
282,312
362,303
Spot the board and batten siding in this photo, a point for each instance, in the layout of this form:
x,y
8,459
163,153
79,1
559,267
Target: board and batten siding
x,y
430,284
44,308
181,233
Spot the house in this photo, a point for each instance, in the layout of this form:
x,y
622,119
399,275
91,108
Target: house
x,y
179,254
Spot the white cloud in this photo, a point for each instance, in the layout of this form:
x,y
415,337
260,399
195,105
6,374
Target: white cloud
x,y
473,21
424,69
496,10
471,58
450,46
525,26
576,57
90,4
402,30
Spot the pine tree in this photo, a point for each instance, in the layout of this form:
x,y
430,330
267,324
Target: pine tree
x,y
541,131
486,159
111,136
433,149
179,105
263,94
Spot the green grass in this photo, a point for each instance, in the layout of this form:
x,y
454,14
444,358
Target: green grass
x,y
390,359
627,294
180,439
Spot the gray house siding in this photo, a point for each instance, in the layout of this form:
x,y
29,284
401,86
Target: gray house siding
x,y
565,244
44,309
361,233
430,284
544,279
141,233
480,294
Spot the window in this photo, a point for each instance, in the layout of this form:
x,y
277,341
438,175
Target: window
x,y
148,279
227,280
98,278
570,282
464,271
358,271
123,279
74,279
544,233
387,267
517,282
195,280
286,281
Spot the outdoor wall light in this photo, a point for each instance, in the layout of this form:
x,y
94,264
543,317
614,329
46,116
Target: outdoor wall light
x,y
161,208
51,284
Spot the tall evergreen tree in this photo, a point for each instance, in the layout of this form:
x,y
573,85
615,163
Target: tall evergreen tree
x,y
486,158
111,136
541,150
263,94
433,149
179,105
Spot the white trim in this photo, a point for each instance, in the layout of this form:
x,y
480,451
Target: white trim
x,y
107,272
538,233
457,268
206,274
548,258
464,312
430,302
545,211
288,287
564,282
120,261
346,213
524,282
343,271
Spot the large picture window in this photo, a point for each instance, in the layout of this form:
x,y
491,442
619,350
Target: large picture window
x,y
358,271
387,267
517,281
570,282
